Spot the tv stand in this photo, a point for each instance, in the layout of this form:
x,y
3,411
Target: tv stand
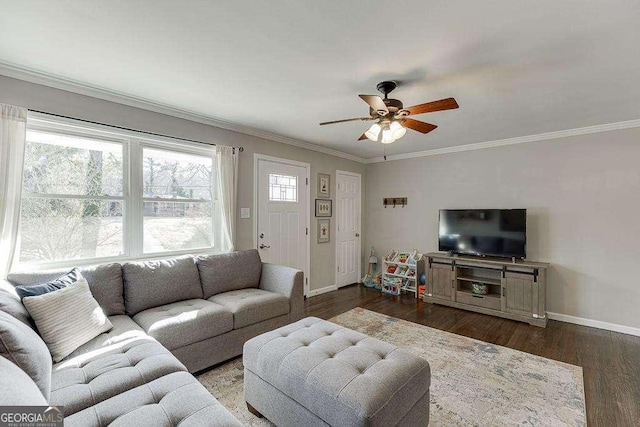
x,y
517,290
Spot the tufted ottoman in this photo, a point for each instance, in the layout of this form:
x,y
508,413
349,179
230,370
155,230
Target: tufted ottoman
x,y
316,373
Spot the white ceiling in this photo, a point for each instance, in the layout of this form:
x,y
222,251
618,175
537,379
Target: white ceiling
x,y
515,67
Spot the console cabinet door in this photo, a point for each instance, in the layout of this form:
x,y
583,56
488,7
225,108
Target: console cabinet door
x,y
441,281
520,294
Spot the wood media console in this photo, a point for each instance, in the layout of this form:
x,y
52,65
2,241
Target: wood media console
x,y
516,290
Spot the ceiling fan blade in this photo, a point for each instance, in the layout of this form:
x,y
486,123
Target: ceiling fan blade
x,y
375,102
363,136
430,107
419,126
363,119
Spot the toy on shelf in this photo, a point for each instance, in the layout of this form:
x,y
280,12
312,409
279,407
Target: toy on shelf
x,y
391,285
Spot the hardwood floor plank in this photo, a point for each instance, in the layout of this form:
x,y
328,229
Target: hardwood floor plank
x,y
610,361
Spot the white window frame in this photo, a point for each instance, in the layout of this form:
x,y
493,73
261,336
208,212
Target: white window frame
x,y
132,198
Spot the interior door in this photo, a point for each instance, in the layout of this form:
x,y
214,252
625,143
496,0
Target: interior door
x,y
348,246
282,214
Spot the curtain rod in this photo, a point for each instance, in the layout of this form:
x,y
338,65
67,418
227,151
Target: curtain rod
x,y
240,149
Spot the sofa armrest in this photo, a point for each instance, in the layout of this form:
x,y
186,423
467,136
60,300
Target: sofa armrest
x,y
286,281
10,302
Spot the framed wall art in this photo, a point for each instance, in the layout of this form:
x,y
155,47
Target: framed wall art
x,y
323,208
324,230
324,185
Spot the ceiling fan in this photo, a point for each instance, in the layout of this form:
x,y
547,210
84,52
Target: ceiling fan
x,y
391,118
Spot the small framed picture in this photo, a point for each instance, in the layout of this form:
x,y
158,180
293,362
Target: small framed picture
x,y
324,185
323,208
323,230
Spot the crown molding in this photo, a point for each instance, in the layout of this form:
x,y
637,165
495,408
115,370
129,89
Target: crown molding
x,y
511,141
71,85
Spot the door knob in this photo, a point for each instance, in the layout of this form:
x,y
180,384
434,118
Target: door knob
x,y
357,234
263,246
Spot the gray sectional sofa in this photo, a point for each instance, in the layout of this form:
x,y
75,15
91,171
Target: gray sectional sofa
x,y
170,318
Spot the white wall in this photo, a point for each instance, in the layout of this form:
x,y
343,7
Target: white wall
x,y
44,98
583,199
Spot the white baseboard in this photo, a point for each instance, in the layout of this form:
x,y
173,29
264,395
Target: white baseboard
x,y
314,292
595,323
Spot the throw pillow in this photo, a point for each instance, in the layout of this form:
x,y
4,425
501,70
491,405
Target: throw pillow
x,y
44,288
21,345
67,318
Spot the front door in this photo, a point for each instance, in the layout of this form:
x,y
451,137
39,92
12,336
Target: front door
x,y
282,213
347,228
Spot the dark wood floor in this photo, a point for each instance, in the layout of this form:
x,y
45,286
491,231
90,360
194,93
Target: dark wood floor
x,y
610,361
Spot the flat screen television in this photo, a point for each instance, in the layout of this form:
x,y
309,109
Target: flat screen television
x,y
484,232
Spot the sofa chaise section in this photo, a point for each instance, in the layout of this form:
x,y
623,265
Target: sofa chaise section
x,y
110,364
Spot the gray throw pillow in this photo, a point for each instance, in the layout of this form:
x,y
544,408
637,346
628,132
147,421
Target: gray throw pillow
x,y
16,388
67,318
21,345
53,285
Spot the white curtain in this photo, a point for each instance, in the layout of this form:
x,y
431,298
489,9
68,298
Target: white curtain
x,y
226,186
13,128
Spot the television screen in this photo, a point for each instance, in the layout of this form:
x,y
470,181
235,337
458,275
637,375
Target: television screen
x,y
489,232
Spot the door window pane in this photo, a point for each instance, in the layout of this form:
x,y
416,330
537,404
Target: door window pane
x,y
283,188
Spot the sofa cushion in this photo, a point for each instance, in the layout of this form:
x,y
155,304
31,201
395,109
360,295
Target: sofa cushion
x,y
151,284
185,322
251,306
172,400
105,282
21,345
93,377
124,329
67,318
16,388
229,272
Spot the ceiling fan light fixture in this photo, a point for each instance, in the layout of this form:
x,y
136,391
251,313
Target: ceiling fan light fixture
x,y
397,130
387,136
374,132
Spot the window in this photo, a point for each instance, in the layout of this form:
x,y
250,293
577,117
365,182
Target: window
x,y
177,195
94,195
73,200
283,188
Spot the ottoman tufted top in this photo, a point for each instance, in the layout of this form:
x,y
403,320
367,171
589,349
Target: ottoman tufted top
x,y
342,376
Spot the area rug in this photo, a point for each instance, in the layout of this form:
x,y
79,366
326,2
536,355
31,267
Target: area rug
x,y
473,383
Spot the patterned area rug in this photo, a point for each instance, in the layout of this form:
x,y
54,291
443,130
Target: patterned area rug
x,y
473,383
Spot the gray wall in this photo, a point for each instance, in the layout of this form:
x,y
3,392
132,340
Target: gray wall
x,y
44,98
583,199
